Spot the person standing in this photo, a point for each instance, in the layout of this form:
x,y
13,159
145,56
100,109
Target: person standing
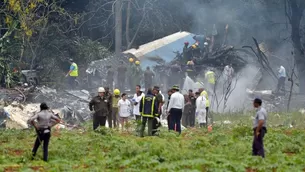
x,y
110,77
160,100
187,112
228,73
175,108
43,128
124,110
210,78
109,97
169,93
259,128
148,110
201,111
148,78
72,74
115,110
101,105
121,76
192,100
204,93
281,79
136,107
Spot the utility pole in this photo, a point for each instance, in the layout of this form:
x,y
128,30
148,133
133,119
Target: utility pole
x,y
118,27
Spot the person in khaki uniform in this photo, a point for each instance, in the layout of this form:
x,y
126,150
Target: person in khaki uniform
x,y
115,112
101,105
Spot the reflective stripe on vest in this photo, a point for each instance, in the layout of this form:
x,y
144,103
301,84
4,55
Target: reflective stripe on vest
x,y
152,108
75,70
205,94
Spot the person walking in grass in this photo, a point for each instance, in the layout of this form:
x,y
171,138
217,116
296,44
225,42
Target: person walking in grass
x,y
124,110
259,128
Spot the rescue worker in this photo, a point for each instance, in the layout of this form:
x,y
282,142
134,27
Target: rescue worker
x,y
72,74
201,111
136,74
148,78
176,73
115,112
136,107
228,73
281,79
101,105
187,112
160,100
190,69
204,93
210,78
259,129
192,100
185,53
110,77
148,110
169,93
200,39
43,128
175,108
109,98
121,76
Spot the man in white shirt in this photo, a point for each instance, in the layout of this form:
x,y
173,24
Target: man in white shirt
x,y
175,108
136,108
201,110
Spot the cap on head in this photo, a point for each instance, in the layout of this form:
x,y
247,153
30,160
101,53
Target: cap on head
x,y
175,87
156,88
137,62
186,43
101,90
71,60
131,60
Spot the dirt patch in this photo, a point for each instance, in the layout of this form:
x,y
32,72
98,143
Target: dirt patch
x,y
16,152
56,134
251,170
37,168
83,166
288,132
289,153
11,168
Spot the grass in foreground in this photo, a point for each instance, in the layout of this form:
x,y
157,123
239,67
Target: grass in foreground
x,y
227,148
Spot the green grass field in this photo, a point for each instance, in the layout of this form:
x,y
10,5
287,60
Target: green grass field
x,y
226,148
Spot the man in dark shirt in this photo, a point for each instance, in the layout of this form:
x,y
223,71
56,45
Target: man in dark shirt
x,y
148,78
192,99
169,92
159,99
109,98
122,70
101,105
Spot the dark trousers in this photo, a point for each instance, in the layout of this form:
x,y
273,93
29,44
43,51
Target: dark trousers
x,y
99,121
147,85
258,145
114,117
168,121
138,121
72,82
207,116
281,84
150,126
175,119
121,84
45,138
155,126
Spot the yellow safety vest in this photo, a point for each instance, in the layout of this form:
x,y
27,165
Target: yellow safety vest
x,y
151,115
205,94
75,71
115,102
210,76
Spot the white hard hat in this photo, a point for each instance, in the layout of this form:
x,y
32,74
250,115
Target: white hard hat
x,y
206,43
101,90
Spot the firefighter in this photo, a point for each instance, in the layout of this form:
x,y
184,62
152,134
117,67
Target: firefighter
x,y
210,78
101,105
190,69
72,74
160,99
115,100
148,110
121,76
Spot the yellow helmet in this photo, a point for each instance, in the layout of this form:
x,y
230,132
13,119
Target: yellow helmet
x,y
137,62
116,92
194,46
130,60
